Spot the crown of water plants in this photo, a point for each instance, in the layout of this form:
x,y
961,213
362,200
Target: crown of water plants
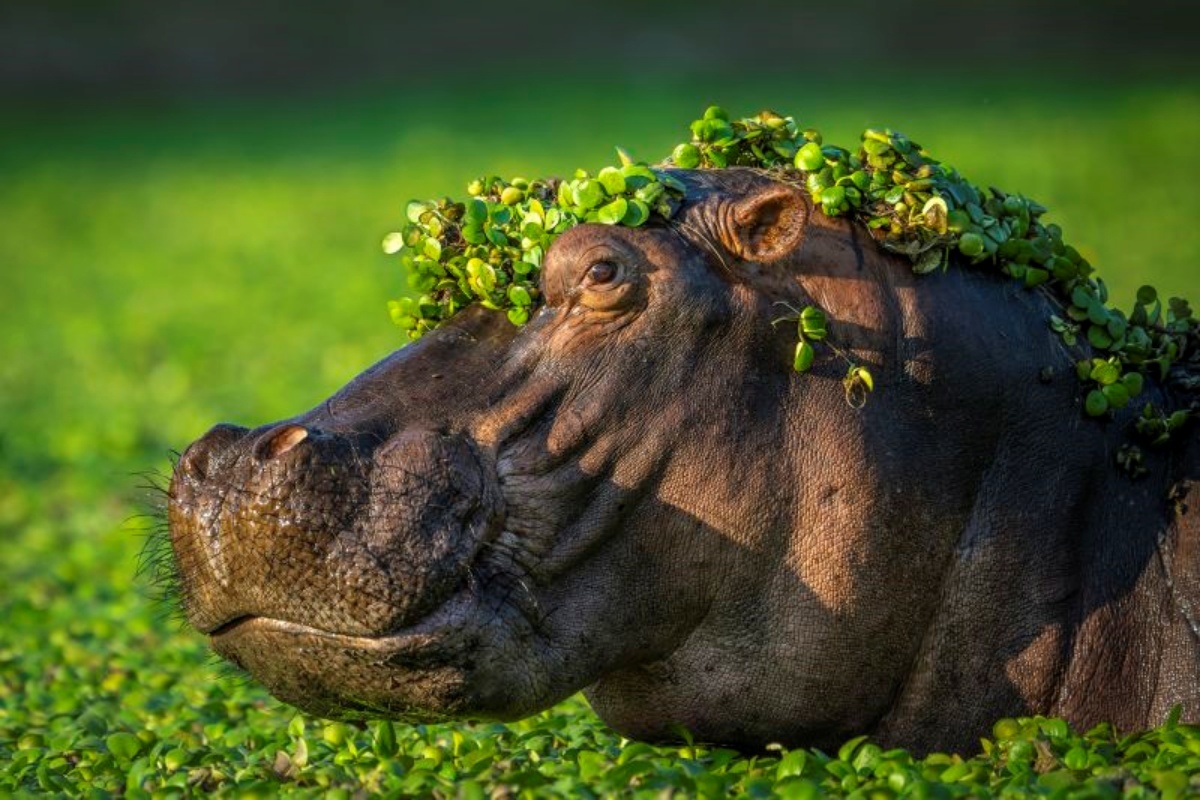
x,y
489,248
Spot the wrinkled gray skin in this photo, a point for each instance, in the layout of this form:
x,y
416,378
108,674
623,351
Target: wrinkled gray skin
x,y
635,495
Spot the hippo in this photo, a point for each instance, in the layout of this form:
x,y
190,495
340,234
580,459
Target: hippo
x,y
636,496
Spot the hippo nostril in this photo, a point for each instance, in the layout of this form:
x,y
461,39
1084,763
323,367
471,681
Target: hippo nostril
x,y
197,461
281,441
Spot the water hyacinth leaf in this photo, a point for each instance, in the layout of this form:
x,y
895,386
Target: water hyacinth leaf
x,y
1117,326
1099,337
474,234
636,214
971,245
1103,372
1035,276
433,249
833,198
1117,395
612,180
393,243
1096,403
415,210
813,323
863,376
1134,383
588,194
810,157
500,214
804,356
124,746
614,212
914,204
519,295
476,212
686,156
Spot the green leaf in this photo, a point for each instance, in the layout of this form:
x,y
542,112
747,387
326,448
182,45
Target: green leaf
x,y
1104,372
1096,403
415,210
519,296
686,156
804,356
1035,276
1146,295
588,194
124,746
612,180
385,739
637,213
433,249
813,323
614,212
1117,395
393,243
1134,383
862,375
846,751
476,212
500,214
809,157
971,245
474,234
1099,338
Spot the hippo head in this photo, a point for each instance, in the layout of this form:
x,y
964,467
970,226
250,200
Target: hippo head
x,y
633,494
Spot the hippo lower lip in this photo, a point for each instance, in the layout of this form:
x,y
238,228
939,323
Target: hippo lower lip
x,y
420,633
250,625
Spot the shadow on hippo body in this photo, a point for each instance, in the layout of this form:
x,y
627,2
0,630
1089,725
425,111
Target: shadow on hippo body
x,y
636,496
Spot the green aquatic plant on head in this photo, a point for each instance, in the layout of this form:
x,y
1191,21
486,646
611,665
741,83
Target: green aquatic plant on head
x,y
489,248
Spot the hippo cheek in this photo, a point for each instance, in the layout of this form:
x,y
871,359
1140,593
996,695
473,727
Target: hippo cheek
x,y
433,506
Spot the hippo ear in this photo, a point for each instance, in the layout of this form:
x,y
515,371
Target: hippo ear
x,y
768,224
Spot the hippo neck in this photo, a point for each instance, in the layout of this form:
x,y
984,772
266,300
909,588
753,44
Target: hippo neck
x,y
1047,587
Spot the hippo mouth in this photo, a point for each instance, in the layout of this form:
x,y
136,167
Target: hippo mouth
x,y
450,614
421,671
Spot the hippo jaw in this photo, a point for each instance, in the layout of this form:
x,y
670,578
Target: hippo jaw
x,y
350,580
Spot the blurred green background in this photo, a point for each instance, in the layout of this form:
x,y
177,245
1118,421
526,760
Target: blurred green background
x,y
187,238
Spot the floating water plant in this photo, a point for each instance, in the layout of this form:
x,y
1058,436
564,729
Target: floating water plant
x,y
489,248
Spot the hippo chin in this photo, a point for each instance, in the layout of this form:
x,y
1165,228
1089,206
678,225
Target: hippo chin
x,y
636,495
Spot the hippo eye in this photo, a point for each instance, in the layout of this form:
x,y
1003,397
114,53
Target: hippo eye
x,y
601,272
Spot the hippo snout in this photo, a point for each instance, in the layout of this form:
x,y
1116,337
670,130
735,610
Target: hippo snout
x,y
348,535
205,455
